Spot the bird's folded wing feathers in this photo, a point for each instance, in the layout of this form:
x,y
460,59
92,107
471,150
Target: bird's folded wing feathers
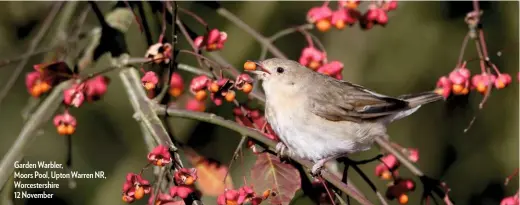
x,y
344,101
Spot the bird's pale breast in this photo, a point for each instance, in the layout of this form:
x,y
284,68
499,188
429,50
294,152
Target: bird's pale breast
x,y
312,137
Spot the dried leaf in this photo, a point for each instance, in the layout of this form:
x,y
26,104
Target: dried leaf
x,y
59,70
270,173
210,175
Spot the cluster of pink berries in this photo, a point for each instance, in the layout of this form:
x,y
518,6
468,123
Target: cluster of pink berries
x,y
213,41
161,54
150,81
317,61
48,75
136,187
219,90
388,170
458,82
511,200
348,14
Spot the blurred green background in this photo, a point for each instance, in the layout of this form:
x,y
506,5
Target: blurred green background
x,y
420,44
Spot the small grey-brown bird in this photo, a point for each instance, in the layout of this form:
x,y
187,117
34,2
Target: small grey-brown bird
x,y
320,118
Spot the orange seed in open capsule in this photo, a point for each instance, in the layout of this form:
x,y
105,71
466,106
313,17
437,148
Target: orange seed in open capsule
x,y
249,66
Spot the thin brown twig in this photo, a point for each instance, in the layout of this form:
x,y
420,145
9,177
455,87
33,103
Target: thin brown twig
x,y
508,178
161,177
194,16
462,49
327,191
79,25
46,25
488,92
167,73
481,57
283,33
261,39
481,47
193,46
199,56
482,41
315,40
235,155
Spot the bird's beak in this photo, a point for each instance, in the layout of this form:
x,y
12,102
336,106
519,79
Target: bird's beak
x,y
260,71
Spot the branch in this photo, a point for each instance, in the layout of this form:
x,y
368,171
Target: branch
x,y
38,118
144,108
259,137
399,155
194,70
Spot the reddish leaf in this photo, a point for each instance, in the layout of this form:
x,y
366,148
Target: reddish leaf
x,y
270,173
210,175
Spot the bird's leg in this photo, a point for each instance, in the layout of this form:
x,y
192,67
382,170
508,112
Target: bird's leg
x,y
318,165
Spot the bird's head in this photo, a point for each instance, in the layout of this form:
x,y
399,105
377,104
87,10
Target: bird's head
x,y
281,74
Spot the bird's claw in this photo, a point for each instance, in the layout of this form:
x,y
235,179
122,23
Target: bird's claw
x,y
280,149
318,166
316,169
283,152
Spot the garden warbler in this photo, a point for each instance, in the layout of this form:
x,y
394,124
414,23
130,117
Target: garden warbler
x,y
320,118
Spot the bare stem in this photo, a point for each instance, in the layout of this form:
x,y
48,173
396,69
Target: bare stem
x,y
194,70
195,16
235,155
283,33
315,39
462,49
264,41
190,41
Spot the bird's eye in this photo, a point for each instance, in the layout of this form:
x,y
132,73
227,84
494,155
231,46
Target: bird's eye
x,y
279,70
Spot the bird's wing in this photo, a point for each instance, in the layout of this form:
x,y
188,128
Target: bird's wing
x,y
347,101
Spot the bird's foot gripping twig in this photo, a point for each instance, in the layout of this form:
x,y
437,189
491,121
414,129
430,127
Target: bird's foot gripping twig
x,y
281,150
317,167
320,164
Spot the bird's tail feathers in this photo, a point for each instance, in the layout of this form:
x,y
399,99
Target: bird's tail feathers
x,y
419,99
